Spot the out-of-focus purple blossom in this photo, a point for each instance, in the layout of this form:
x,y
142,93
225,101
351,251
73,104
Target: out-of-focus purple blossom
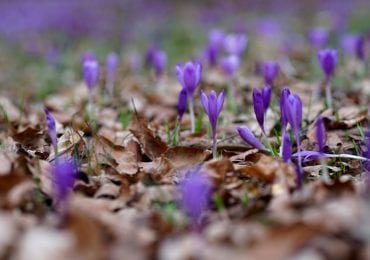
x,y
230,65
213,105
270,71
353,44
318,37
135,62
159,62
51,125
294,114
259,108
63,177
287,149
328,60
91,72
215,42
181,104
195,195
88,55
246,134
111,64
285,93
268,28
189,76
235,44
320,134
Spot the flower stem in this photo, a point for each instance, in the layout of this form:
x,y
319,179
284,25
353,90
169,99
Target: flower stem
x,y
299,178
214,145
325,172
282,142
329,100
192,117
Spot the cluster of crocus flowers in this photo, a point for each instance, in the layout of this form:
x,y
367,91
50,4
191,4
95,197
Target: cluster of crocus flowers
x,y
111,64
63,177
328,60
195,195
213,104
157,59
52,130
189,75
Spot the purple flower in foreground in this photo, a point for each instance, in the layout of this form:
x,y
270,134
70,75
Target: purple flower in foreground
x,y
266,96
235,43
328,60
63,177
181,104
318,37
353,44
287,149
111,64
213,105
91,72
230,65
195,191
50,123
246,134
320,134
285,93
270,71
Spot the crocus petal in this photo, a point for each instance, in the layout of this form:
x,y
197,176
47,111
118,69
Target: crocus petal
x,y
320,133
270,71
220,102
204,101
249,138
189,76
266,96
284,108
91,73
310,155
179,74
287,149
51,125
212,108
259,108
64,173
328,60
181,104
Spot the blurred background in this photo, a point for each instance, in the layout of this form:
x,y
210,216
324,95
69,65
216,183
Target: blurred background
x,y
41,41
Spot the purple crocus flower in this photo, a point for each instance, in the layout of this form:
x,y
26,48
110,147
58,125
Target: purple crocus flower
x,y
195,195
328,60
230,65
270,71
294,114
213,105
235,43
63,176
247,135
91,72
353,44
259,108
51,125
318,37
181,104
287,149
285,93
88,55
266,96
111,64
320,134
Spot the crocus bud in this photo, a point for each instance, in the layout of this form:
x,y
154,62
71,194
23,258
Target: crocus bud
x,y
189,76
266,96
294,107
318,37
64,173
287,149
246,134
195,195
91,73
259,108
270,71
50,123
235,44
320,134
328,60
181,104
230,65
111,64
